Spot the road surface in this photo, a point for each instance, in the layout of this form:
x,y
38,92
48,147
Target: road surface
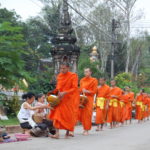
x,y
130,137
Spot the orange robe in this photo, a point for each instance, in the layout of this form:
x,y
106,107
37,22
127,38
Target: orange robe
x,y
85,116
64,115
124,99
113,111
139,104
126,113
102,96
148,106
129,106
145,106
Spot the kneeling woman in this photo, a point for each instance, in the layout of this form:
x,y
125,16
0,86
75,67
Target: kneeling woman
x,y
43,122
25,113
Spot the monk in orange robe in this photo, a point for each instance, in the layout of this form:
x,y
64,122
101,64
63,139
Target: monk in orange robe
x,y
148,106
129,103
101,103
88,87
139,105
113,116
64,115
126,105
145,107
122,109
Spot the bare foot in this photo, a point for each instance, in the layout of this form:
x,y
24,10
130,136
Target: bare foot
x,y
71,134
54,136
66,136
85,133
97,130
111,127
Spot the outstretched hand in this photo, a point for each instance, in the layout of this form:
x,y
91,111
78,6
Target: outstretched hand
x,y
85,91
61,94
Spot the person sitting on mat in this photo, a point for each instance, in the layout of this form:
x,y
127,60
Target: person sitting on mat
x,y
25,115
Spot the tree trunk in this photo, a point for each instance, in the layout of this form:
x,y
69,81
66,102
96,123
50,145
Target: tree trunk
x,y
136,62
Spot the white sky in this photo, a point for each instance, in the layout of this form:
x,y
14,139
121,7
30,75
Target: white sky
x,y
25,8
28,8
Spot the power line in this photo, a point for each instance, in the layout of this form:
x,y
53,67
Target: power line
x,y
140,27
36,4
89,21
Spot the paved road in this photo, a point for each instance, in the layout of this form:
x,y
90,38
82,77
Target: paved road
x,y
131,137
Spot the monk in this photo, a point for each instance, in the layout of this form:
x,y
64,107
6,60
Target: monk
x,y
64,115
130,100
145,107
101,103
88,87
126,105
113,116
122,109
139,106
148,106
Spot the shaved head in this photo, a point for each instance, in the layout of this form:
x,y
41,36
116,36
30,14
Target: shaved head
x,y
113,83
102,80
65,64
64,68
87,72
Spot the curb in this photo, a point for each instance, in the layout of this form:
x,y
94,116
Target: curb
x,y
13,129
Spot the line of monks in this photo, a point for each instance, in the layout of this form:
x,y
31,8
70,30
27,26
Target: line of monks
x,y
112,104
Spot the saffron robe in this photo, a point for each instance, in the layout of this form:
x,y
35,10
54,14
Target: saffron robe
x,y
85,114
64,115
101,101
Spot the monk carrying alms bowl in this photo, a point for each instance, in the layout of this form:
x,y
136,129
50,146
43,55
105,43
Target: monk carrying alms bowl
x,y
83,101
53,100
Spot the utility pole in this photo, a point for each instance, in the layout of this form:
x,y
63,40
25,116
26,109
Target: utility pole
x,y
113,48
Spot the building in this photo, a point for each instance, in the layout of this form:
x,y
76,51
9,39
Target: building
x,y
64,48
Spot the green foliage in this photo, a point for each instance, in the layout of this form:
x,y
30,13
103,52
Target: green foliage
x,y
84,62
41,84
22,45
38,31
147,89
11,48
125,79
3,98
11,121
11,106
9,16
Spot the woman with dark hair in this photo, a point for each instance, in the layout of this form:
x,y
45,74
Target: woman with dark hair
x,y
45,124
24,115
40,98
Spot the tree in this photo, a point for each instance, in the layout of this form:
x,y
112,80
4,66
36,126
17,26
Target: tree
x,y
38,32
126,8
11,48
9,16
84,62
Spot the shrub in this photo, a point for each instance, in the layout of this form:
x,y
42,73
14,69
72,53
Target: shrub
x,y
12,105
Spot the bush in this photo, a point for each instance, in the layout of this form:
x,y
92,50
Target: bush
x,y
12,106
42,84
125,79
84,62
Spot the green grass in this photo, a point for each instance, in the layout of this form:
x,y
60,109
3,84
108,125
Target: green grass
x,y
11,121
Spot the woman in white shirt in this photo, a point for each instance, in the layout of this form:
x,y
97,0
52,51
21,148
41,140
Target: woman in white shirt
x,y
25,115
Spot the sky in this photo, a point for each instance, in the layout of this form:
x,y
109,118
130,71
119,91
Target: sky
x,y
29,8
25,8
